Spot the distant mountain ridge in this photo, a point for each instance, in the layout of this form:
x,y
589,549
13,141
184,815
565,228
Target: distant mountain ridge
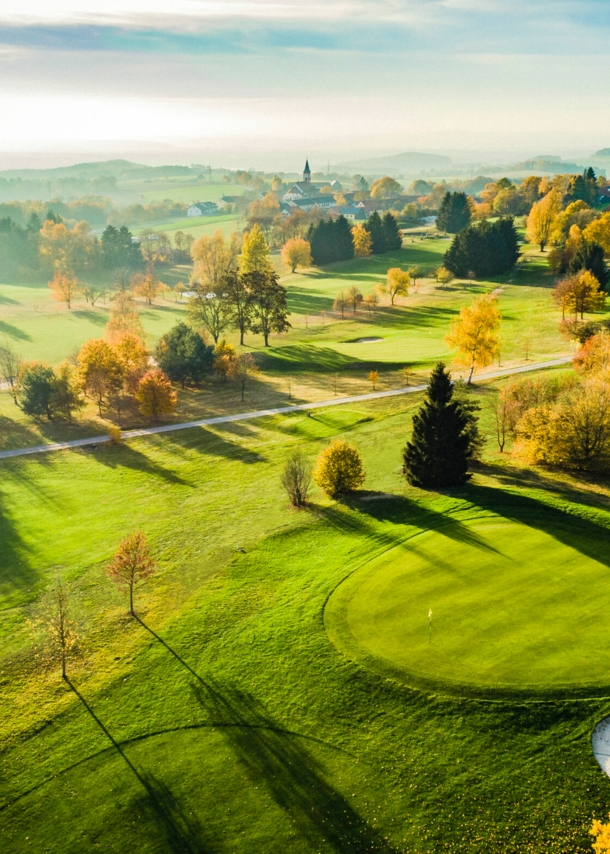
x,y
407,161
119,169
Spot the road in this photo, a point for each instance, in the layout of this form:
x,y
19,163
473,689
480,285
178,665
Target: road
x,y
262,413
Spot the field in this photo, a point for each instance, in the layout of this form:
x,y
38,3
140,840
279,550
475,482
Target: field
x,y
225,719
177,191
280,690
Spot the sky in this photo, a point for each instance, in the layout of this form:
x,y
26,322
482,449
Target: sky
x,y
247,81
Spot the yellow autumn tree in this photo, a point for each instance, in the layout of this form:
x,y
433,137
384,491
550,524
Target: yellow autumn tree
x,y
296,253
579,293
541,219
598,232
255,255
363,242
224,356
396,284
475,333
64,287
339,469
155,395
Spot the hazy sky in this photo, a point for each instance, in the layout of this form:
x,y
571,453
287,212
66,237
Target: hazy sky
x,y
333,77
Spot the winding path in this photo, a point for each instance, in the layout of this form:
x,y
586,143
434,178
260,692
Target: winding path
x,y
262,413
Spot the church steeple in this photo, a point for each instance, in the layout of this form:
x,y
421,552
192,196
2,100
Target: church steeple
x,y
307,173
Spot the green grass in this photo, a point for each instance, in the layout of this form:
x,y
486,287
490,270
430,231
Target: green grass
x,y
526,615
188,195
226,223
226,720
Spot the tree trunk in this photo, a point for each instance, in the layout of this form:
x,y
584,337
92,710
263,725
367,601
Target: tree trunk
x,y
63,663
241,336
131,611
471,373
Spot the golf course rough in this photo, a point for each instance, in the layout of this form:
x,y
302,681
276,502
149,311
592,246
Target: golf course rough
x,y
514,608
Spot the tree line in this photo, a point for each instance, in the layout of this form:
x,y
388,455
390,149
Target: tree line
x,y
335,240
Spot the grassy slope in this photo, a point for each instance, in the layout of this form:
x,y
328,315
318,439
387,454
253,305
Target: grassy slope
x,y
237,726
188,195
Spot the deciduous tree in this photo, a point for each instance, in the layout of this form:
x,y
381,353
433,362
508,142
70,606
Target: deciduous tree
x,y
213,257
255,256
65,398
64,287
238,294
296,478
57,621
339,469
243,369
354,297
146,285
132,564
341,303
396,284
362,241
475,333
10,367
224,356
385,188
541,219
124,318
579,293
269,305
374,378
155,395
296,253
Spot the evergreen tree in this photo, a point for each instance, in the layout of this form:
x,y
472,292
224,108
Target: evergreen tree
x,y
392,233
183,355
590,257
485,249
118,248
445,437
454,213
344,242
331,240
375,228
37,387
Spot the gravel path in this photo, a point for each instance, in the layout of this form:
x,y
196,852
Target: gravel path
x,y
262,413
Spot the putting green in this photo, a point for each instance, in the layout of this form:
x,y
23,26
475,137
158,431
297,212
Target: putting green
x,y
512,606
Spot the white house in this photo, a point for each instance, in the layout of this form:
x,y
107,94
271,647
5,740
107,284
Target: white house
x,y
202,209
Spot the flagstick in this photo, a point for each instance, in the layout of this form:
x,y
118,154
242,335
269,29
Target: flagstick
x,y
430,622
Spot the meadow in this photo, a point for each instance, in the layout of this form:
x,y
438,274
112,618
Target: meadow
x,y
228,717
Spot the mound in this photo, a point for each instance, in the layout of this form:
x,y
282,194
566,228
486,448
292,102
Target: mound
x,y
513,607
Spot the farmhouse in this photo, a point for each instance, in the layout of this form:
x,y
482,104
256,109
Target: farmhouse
x,y
202,209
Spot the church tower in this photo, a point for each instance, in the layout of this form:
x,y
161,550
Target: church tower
x,y
307,173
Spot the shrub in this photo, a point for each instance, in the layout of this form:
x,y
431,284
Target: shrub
x,y
115,434
296,478
339,469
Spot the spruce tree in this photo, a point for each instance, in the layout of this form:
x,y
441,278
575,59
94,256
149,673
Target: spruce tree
x,y
392,233
375,228
454,213
445,437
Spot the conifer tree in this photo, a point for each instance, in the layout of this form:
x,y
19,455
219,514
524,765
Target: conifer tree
x,y
444,439
392,233
454,213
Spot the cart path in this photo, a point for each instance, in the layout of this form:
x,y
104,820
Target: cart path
x,y
262,413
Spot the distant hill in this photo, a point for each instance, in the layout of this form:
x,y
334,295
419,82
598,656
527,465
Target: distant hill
x,y
603,152
119,169
544,163
409,161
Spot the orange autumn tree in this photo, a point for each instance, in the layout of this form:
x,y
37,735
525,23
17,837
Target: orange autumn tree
x,y
131,564
155,395
296,252
134,358
64,286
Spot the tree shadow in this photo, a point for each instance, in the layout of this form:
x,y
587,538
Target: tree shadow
x,y
16,573
92,316
292,776
126,456
4,300
209,442
13,331
183,833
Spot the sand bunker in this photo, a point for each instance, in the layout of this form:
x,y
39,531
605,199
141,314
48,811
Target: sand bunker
x,y
601,745
364,340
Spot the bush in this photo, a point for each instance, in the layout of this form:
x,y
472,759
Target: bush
x,y
115,434
296,478
339,469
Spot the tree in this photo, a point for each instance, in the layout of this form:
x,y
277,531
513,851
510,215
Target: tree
x,y
371,301
65,399
132,564
601,832
119,249
211,309
598,232
362,241
441,447
444,276
183,355
133,358
339,469
255,256
238,295
10,368
374,378
396,284
36,388
296,478
594,355
262,212
579,293
484,249
392,235
590,256
385,233
124,317
214,257
155,395
100,372
354,297
57,621
92,292
269,306
454,213
541,219
224,355
416,273
146,285
331,240
296,253
475,333
341,303
64,287
243,369
385,188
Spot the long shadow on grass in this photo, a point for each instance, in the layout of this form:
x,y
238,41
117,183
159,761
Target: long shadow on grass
x,y
94,317
292,776
126,456
211,443
572,529
13,332
15,570
182,831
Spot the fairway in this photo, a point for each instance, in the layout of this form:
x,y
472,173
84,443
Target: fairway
x,y
512,605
